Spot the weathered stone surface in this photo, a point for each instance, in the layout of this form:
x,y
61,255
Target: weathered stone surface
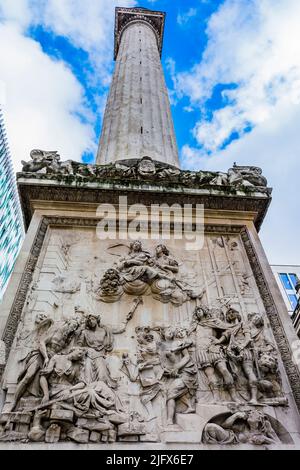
x,y
128,438
81,436
148,340
137,118
62,415
95,436
53,434
114,341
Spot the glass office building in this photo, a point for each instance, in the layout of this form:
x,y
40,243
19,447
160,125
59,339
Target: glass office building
x,y
287,277
11,223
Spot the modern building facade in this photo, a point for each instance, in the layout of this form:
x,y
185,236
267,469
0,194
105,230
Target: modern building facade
x,y
296,316
182,345
11,222
287,277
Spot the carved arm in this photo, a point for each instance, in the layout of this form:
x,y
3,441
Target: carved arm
x,y
232,419
184,361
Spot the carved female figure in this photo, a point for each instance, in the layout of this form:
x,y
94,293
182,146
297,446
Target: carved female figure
x,y
250,427
136,264
98,341
66,384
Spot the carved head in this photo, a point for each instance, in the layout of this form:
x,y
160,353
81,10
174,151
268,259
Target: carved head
x,y
201,312
255,417
181,333
144,334
168,333
76,354
71,325
136,246
256,319
233,315
146,167
149,337
92,321
162,250
268,363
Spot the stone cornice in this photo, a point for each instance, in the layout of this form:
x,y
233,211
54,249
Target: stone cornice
x,y
46,178
126,16
108,192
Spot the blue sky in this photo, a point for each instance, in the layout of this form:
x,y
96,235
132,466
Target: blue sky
x,y
184,42
232,69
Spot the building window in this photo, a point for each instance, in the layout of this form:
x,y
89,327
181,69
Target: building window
x,y
285,281
293,300
293,277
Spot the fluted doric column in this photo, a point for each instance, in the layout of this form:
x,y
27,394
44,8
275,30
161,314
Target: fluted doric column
x,y
137,120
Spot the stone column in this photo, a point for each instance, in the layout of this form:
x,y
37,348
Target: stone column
x,y
137,120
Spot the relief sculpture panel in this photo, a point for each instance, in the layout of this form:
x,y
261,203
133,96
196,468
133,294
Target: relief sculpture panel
x,y
143,342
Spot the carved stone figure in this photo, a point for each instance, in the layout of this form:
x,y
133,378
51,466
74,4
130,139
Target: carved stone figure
x,y
137,265
148,370
62,368
55,340
179,370
66,385
97,339
269,382
210,357
146,167
58,338
245,427
140,272
40,159
165,287
50,161
220,179
245,341
246,176
28,380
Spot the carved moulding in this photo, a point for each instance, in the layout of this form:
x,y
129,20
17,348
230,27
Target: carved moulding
x,y
274,318
282,342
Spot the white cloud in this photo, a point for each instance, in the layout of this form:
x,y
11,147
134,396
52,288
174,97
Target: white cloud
x,y
87,24
275,146
183,18
16,11
43,98
256,45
